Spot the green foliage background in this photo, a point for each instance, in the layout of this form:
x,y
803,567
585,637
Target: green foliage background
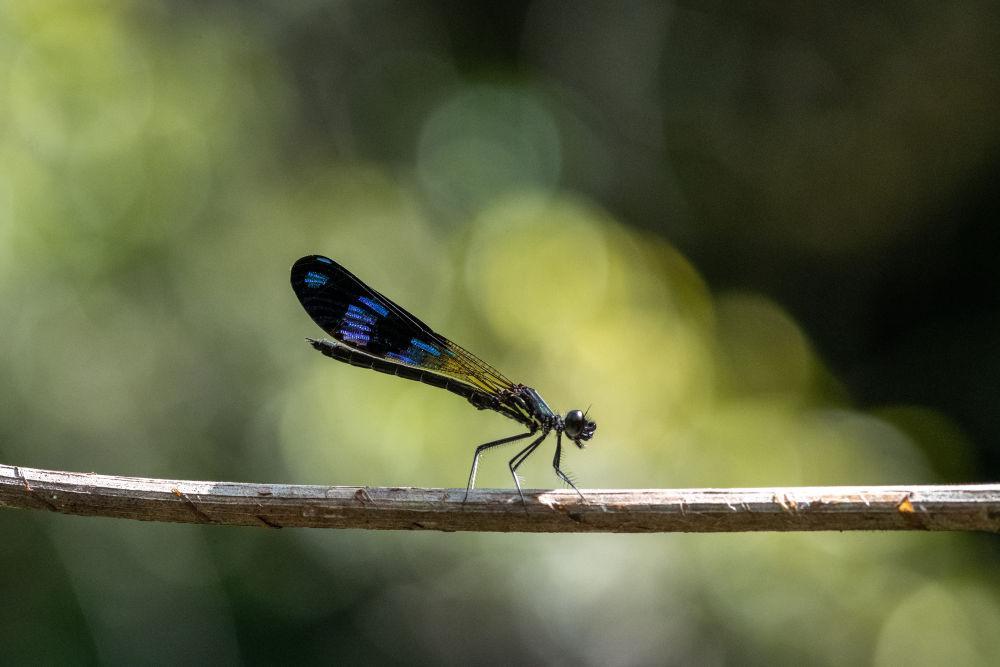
x,y
162,166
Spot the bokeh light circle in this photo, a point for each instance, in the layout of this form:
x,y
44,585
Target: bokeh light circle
x,y
485,142
537,267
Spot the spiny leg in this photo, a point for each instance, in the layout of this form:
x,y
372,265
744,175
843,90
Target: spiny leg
x,y
557,460
516,462
482,448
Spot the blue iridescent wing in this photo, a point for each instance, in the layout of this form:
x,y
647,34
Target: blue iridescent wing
x,y
360,318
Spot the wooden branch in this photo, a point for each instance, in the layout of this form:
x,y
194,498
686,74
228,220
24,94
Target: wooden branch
x,y
614,511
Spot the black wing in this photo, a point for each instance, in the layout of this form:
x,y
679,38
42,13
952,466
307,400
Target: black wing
x,y
361,319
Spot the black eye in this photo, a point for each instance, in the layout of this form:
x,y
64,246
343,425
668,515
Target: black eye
x,y
573,423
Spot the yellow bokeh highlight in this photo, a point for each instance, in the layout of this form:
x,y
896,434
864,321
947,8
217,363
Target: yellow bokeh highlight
x,y
79,82
761,350
537,267
941,623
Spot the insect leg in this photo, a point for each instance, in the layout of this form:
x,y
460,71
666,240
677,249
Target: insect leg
x,y
482,448
555,464
516,462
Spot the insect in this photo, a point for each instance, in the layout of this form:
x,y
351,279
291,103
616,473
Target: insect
x,y
371,331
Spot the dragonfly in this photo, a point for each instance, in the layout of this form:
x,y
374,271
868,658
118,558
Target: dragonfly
x,y
371,331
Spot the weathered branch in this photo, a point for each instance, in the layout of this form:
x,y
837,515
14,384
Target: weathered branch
x,y
621,511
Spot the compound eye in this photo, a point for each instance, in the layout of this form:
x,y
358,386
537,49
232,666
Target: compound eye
x,y
573,423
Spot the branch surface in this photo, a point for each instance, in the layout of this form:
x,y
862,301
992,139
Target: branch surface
x,y
952,507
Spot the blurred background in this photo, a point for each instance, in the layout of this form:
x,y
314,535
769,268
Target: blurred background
x,y
759,241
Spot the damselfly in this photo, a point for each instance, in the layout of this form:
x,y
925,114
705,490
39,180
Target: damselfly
x,y
371,331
